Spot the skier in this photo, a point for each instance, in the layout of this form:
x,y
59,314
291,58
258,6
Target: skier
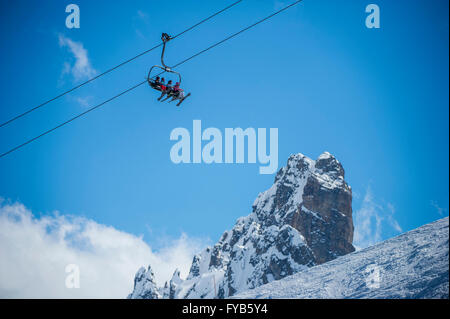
x,y
177,92
163,84
156,84
167,90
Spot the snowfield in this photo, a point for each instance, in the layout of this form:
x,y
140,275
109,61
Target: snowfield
x,y
412,265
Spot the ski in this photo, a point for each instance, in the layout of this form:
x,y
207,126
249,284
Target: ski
x,y
181,101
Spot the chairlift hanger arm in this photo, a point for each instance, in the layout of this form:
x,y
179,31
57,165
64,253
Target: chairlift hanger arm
x,y
165,38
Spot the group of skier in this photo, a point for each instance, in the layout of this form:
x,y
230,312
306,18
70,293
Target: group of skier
x,y
174,92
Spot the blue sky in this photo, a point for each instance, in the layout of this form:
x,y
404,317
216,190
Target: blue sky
x,y
375,98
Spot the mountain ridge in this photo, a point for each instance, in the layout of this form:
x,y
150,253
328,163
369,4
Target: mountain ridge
x,y
411,265
304,219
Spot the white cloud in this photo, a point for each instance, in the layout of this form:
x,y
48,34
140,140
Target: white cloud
x,y
139,33
390,218
142,15
277,5
35,251
85,101
81,68
372,221
441,211
141,23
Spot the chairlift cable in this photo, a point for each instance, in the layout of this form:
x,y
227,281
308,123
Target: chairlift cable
x,y
115,67
141,83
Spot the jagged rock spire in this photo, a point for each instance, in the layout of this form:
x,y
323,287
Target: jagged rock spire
x,y
303,219
145,285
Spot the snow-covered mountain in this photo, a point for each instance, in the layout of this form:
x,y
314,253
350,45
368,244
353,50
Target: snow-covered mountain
x,y
412,265
303,220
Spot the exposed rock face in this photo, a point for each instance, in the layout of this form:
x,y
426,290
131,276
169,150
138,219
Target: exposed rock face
x,y
144,285
331,234
303,220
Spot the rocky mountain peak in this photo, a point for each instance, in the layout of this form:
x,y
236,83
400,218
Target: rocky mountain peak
x,y
145,285
303,219
327,163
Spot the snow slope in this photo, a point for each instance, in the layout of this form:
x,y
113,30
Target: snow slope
x,y
412,265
